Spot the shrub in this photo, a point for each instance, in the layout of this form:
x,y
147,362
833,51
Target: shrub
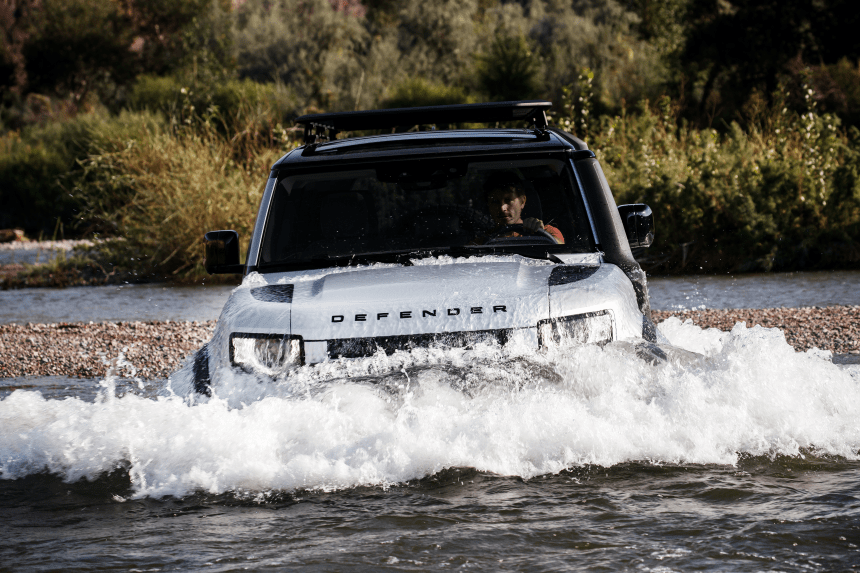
x,y
155,94
30,196
38,167
418,92
175,186
509,71
781,195
245,111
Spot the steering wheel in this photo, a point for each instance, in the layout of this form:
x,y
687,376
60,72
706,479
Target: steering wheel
x,y
519,228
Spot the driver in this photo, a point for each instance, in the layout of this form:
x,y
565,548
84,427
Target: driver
x,y
506,198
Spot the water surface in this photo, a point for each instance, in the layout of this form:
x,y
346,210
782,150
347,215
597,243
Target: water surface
x,y
166,302
781,515
129,302
746,458
759,290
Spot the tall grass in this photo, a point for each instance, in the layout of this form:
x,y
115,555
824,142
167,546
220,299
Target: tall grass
x,y
177,186
186,160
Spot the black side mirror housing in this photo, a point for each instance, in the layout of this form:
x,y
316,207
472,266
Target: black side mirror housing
x,y
222,253
638,222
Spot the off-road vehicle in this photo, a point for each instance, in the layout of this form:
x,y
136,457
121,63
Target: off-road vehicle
x,y
387,242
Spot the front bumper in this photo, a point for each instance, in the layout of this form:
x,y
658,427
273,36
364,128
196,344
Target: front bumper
x,y
273,354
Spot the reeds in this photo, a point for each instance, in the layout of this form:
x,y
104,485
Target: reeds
x,y
178,186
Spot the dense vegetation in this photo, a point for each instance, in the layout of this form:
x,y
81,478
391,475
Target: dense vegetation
x,y
155,120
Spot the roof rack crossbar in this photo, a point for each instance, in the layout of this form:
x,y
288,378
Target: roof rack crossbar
x,y
316,125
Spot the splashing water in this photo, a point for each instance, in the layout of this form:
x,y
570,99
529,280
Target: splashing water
x,y
506,410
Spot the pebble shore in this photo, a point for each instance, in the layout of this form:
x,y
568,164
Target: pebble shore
x,y
157,348
833,328
154,348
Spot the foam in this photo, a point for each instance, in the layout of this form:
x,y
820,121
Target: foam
x,y
388,419
254,279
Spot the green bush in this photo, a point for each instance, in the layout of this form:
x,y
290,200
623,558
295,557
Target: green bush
x,y
155,93
417,92
173,96
30,196
781,195
40,167
245,111
509,71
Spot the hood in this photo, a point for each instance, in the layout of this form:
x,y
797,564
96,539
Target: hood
x,y
425,298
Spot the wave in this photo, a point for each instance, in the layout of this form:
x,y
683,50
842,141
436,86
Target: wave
x,y
719,398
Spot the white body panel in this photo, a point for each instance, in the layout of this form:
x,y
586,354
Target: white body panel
x,y
421,300
434,296
607,289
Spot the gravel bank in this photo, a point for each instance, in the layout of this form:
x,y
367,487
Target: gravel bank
x,y
74,349
834,328
158,348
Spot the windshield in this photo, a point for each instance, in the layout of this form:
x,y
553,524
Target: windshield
x,y
424,208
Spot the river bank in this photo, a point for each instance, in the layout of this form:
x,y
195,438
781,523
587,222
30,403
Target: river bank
x,y
157,348
154,348
72,263
833,328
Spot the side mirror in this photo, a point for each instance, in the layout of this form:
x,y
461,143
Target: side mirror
x,y
638,222
222,253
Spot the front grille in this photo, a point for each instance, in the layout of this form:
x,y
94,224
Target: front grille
x,y
359,347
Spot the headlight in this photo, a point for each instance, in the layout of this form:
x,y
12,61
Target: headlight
x,y
269,354
588,328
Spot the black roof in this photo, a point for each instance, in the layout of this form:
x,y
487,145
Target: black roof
x,y
532,110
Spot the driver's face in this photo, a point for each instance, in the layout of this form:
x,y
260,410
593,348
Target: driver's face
x,y
506,207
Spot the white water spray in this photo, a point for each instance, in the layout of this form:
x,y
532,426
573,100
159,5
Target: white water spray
x,y
388,419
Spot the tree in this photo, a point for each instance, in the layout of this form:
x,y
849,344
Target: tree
x,y
72,47
75,46
509,70
306,44
12,73
738,47
602,36
161,27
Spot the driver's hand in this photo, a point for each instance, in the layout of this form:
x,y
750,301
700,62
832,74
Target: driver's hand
x,y
532,224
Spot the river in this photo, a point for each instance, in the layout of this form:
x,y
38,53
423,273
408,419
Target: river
x,y
745,459
159,302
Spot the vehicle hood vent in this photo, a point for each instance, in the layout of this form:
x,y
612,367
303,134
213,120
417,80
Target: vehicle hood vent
x,y
273,293
562,275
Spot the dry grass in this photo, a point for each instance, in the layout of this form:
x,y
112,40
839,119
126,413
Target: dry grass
x,y
179,186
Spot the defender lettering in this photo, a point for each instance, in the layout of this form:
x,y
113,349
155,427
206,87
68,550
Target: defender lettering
x,y
424,313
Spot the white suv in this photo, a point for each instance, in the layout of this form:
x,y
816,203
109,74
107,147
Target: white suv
x,y
435,237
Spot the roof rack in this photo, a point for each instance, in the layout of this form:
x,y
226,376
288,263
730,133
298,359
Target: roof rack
x,y
320,126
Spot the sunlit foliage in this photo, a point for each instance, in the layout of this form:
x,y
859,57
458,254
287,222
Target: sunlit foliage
x,y
735,119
